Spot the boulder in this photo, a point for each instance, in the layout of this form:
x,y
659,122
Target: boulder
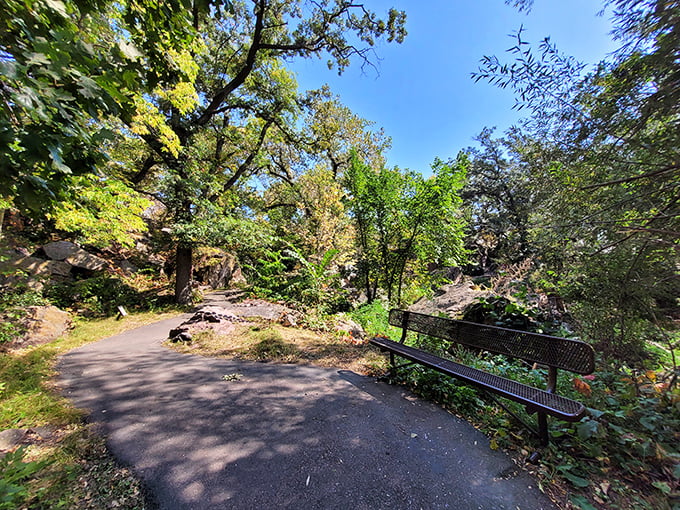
x,y
11,438
209,317
36,266
44,324
127,267
83,260
450,299
218,270
352,329
60,250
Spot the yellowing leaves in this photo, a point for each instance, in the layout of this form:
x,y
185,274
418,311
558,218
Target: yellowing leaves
x,y
582,387
102,211
183,97
149,120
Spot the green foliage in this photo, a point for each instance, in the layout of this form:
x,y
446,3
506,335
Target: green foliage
x,y
65,68
513,314
373,318
404,221
288,275
100,296
14,473
601,148
627,443
499,201
101,211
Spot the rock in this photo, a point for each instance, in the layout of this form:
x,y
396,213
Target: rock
x,y
44,324
60,250
209,317
180,334
288,320
219,270
11,438
37,266
127,267
352,328
450,299
44,432
84,260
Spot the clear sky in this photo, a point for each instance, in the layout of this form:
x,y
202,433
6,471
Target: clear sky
x,y
424,96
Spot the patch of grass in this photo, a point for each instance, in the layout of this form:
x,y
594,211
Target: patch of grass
x,y
81,473
278,344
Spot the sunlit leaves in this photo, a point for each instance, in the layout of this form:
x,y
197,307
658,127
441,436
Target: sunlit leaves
x,y
101,212
404,221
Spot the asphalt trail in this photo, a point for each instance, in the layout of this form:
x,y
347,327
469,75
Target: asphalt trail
x,y
283,436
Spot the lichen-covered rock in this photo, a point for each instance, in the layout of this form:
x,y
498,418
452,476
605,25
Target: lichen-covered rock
x,y
36,266
218,270
44,324
11,438
85,260
450,299
352,329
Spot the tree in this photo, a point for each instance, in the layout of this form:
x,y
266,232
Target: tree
x,y
403,219
305,197
611,146
65,67
202,144
498,197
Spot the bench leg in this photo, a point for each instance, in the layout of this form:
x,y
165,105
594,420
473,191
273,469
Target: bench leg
x,y
543,428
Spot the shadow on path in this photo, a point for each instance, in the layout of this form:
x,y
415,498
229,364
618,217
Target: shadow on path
x,y
283,436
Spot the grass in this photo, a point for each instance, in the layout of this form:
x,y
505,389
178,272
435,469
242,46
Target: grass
x,y
80,472
274,343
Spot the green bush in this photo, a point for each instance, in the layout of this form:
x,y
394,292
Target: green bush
x,y
506,313
14,472
373,317
100,296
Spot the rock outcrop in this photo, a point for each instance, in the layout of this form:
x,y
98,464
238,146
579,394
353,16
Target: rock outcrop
x,y
450,299
209,317
218,270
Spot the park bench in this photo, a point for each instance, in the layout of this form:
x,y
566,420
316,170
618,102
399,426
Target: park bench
x,y
536,349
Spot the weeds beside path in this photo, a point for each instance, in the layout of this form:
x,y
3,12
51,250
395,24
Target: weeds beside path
x,y
79,472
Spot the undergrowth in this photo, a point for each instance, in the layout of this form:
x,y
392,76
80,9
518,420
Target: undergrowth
x,y
623,454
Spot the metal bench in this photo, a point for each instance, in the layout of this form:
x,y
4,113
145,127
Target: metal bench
x,y
550,351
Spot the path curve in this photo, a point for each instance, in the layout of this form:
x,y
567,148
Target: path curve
x,y
283,436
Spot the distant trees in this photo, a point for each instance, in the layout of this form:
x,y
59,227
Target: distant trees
x,y
499,201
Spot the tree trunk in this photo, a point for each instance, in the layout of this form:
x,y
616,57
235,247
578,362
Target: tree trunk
x,y
183,270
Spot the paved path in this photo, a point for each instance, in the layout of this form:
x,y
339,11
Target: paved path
x,y
284,436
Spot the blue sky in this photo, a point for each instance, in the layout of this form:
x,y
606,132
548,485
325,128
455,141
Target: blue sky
x,y
423,95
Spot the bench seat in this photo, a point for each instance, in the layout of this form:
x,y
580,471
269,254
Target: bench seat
x,y
555,405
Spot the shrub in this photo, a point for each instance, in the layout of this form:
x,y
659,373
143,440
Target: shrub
x,y
13,474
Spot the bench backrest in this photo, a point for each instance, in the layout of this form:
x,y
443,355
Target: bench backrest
x,y
564,353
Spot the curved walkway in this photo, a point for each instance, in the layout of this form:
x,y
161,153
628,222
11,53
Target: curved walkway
x,y
283,436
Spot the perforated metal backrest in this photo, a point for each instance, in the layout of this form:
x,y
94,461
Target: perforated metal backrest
x,y
563,353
